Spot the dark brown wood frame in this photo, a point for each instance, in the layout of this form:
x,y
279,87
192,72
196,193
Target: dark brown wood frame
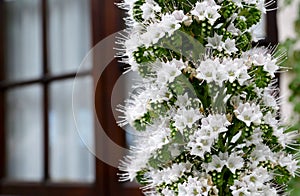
x,y
2,134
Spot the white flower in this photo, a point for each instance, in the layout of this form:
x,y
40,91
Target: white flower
x,y
235,70
199,10
238,3
169,174
248,113
179,16
262,153
216,164
271,67
132,164
229,46
167,73
149,8
269,191
254,56
156,31
255,138
136,107
270,119
157,93
250,1
133,42
133,64
179,122
269,100
183,100
259,59
212,3
211,13
169,24
203,138
142,151
257,178
168,192
254,184
186,118
234,162
231,68
232,29
207,132
191,116
179,64
211,70
217,122
216,42
285,139
153,33
207,70
220,75
243,76
195,186
138,104
199,145
288,162
175,149
265,60
239,188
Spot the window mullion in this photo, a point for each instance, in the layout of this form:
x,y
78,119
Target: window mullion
x,y
2,132
45,88
272,30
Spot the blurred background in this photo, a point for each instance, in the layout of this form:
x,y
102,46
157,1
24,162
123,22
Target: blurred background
x,y
42,44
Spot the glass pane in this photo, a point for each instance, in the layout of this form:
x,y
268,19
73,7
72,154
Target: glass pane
x,y
23,39
24,132
69,34
70,159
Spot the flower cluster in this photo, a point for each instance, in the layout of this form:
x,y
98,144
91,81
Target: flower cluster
x,y
219,72
206,110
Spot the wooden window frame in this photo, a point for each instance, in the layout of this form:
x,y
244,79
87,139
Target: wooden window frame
x,y
45,186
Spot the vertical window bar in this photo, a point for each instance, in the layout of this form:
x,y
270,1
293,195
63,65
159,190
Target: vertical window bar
x,y
46,87
272,30
2,133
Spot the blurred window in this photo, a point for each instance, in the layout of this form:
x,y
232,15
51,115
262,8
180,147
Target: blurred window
x,y
44,44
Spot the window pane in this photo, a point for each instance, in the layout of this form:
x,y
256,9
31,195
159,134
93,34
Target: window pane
x,y
23,39
70,159
69,34
24,132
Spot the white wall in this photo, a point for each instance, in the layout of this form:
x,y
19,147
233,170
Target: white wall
x,y
285,20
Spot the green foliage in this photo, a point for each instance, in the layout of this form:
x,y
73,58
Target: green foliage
x,y
137,12
281,175
140,177
170,5
228,8
252,16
